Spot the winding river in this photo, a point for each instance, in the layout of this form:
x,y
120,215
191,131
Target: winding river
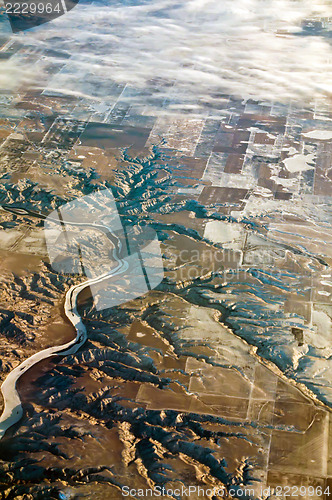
x,y
13,410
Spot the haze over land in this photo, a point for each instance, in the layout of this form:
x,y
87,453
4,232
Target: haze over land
x,y
223,373
249,48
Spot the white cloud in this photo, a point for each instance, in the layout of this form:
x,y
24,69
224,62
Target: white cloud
x,y
233,46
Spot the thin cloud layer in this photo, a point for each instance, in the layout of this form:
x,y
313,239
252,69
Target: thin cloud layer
x,y
247,48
